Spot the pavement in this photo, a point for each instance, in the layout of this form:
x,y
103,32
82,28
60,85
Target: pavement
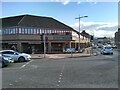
x,y
87,53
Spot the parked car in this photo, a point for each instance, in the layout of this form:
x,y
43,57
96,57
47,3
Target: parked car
x,y
107,50
5,60
114,46
16,55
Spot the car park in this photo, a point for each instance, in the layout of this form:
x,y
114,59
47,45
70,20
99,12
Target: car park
x,y
107,50
16,55
5,60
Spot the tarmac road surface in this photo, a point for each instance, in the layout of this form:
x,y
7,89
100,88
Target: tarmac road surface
x,y
99,71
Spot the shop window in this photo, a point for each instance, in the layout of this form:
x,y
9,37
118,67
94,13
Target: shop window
x,y
13,31
38,31
57,32
26,32
50,32
23,30
47,32
53,32
32,31
42,31
35,31
29,31
16,30
20,31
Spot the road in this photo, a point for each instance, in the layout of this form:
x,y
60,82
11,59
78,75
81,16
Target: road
x,y
99,71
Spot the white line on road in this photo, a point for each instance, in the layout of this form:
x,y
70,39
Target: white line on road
x,y
25,64
60,78
60,75
10,84
58,85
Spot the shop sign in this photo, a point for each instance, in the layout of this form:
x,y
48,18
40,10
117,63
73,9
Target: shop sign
x,y
61,38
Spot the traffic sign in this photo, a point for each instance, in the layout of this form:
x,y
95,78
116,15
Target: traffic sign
x,y
70,49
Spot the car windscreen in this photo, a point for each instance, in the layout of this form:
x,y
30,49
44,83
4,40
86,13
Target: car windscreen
x,y
108,48
5,55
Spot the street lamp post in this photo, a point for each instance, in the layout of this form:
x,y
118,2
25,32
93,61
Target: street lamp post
x,y
44,45
79,30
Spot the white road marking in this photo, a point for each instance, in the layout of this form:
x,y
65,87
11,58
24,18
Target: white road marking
x,y
59,82
58,85
60,78
22,66
10,84
25,64
60,75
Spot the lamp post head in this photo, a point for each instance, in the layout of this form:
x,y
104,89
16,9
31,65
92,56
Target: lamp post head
x,y
83,16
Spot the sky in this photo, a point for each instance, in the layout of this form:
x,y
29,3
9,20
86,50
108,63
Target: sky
x,y
102,20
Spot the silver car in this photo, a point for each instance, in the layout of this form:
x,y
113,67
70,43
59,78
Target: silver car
x,y
107,50
16,55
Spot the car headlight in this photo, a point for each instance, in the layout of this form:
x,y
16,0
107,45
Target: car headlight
x,y
28,56
11,61
5,58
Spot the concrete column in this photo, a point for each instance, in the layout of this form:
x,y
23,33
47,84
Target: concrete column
x,y
19,47
33,49
75,45
49,46
70,44
64,47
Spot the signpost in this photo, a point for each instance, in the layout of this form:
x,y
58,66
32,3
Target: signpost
x,y
71,50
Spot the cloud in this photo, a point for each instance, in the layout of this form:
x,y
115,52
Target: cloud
x,y
99,29
64,2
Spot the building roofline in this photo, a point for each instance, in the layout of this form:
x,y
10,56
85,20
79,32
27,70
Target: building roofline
x,y
24,15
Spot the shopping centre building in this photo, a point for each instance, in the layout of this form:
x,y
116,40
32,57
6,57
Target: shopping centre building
x,y
26,32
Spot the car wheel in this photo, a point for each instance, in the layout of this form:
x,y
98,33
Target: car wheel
x,y
21,59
